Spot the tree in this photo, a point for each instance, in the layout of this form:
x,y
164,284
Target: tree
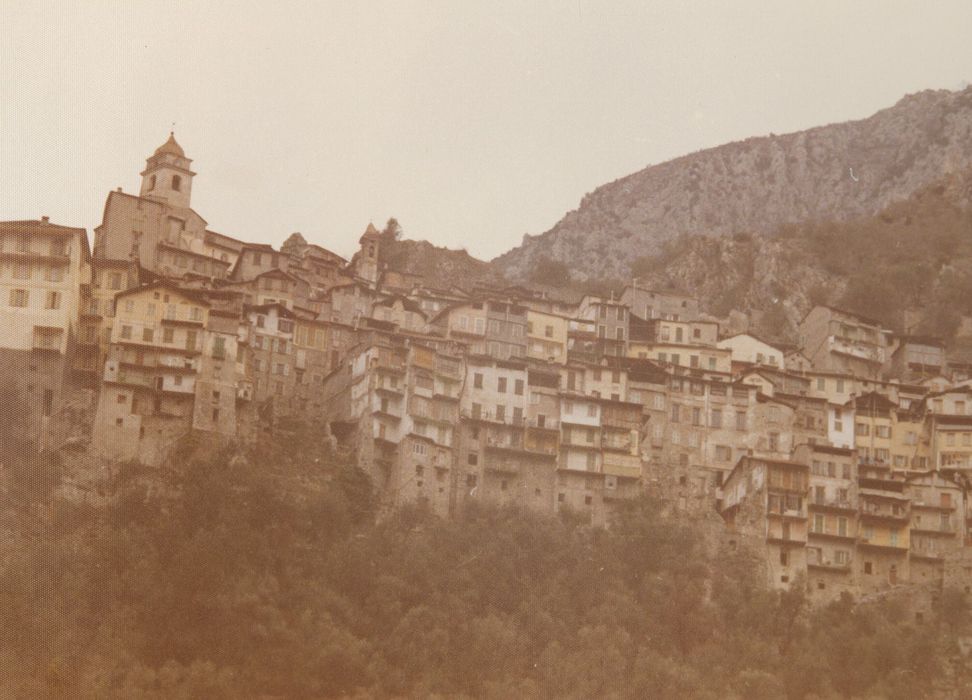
x,y
551,272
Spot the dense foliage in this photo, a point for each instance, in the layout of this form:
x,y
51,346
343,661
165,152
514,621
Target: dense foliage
x,y
264,575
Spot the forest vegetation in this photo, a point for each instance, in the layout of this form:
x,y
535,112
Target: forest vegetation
x,y
263,572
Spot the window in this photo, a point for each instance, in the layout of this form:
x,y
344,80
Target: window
x,y
740,420
168,335
591,411
548,331
21,271
115,281
176,183
126,332
675,412
18,298
501,385
518,387
500,413
774,442
478,380
147,335
715,420
219,348
472,459
821,384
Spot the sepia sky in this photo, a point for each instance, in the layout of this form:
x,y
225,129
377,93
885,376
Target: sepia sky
x,y
472,123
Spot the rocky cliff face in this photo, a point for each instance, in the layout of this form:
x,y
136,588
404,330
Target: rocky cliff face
x,y
832,173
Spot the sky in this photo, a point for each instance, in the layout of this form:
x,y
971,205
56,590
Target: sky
x,y
471,123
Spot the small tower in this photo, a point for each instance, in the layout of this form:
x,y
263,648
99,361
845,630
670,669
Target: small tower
x,y
167,176
366,265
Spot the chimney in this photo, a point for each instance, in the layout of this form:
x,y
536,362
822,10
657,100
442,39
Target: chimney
x,y
45,219
118,189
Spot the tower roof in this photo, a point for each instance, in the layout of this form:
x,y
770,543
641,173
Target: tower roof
x,y
370,232
171,146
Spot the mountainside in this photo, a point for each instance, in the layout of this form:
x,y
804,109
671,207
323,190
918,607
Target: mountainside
x,y
837,172
440,267
910,266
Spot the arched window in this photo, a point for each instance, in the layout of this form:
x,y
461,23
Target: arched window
x,y
152,183
371,251
176,183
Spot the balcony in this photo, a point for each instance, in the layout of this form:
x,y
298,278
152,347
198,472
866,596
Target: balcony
x,y
448,369
859,349
135,380
832,504
846,535
385,413
393,391
47,340
546,449
828,565
496,443
946,531
928,554
501,466
490,417
884,514
791,540
888,546
51,257
388,363
548,424
614,444
628,467
788,513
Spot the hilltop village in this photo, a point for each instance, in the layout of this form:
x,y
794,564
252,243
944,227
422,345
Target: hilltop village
x,y
845,459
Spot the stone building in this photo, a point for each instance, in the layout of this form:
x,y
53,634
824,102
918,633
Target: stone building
x,y
836,340
154,360
43,269
651,303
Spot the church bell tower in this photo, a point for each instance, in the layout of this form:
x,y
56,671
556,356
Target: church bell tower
x,y
167,176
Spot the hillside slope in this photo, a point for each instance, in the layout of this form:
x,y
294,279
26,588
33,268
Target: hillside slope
x,y
831,173
910,266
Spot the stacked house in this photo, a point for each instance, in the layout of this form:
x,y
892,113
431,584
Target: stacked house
x,y
846,460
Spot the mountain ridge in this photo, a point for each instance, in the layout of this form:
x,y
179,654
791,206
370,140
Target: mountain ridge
x,y
835,172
